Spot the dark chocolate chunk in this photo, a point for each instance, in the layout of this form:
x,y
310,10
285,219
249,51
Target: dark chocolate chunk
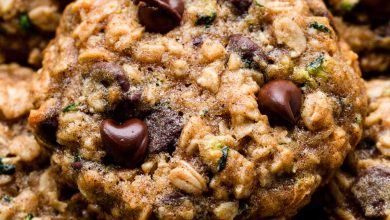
x,y
372,191
164,129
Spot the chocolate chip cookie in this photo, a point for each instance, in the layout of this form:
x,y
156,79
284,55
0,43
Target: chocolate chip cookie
x,y
29,188
16,91
360,190
198,109
365,26
26,27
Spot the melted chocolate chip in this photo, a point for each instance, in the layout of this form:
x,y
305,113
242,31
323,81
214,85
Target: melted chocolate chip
x,y
109,73
160,15
372,190
241,5
126,143
164,128
280,99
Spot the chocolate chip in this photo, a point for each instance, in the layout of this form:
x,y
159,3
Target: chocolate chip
x,y
372,191
160,15
241,5
243,45
280,99
246,48
110,73
164,128
126,143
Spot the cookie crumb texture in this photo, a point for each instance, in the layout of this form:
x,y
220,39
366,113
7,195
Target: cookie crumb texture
x,y
361,189
188,75
26,27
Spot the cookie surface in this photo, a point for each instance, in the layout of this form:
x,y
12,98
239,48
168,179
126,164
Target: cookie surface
x,y
198,109
360,190
26,27
29,188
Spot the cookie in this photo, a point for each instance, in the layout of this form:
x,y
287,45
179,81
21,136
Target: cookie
x,y
16,91
198,109
29,188
26,27
364,25
360,190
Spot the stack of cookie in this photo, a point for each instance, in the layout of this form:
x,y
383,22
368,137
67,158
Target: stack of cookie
x,y
192,109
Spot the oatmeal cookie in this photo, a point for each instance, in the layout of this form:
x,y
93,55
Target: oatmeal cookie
x,y
16,91
29,188
365,26
198,109
361,189
26,26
